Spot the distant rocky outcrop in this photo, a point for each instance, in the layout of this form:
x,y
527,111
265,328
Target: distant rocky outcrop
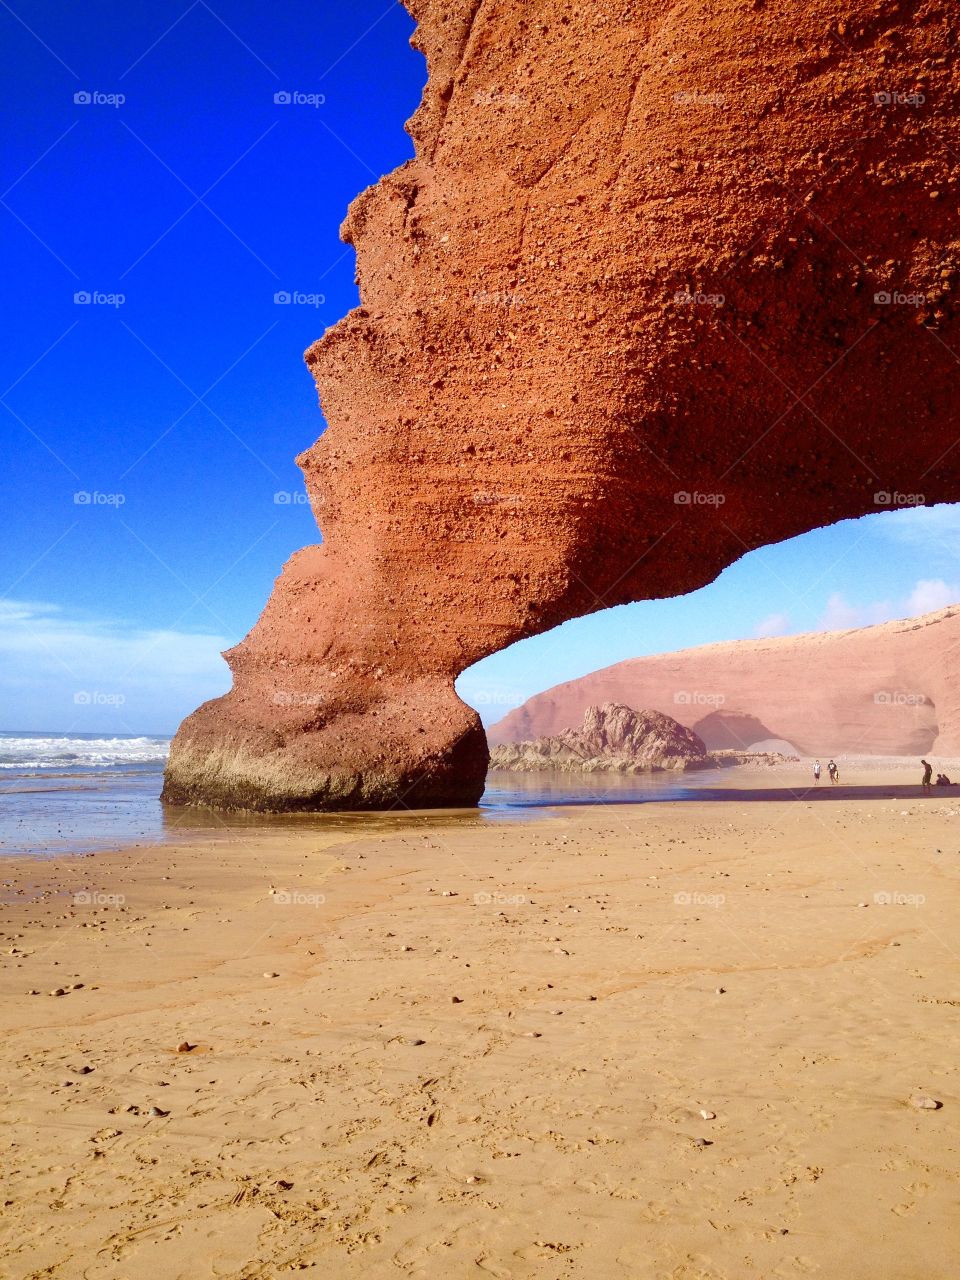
x,y
613,739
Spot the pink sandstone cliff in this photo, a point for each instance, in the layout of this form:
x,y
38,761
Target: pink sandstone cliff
x,y
886,690
636,256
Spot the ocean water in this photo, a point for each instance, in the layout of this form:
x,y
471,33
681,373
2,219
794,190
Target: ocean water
x,y
76,793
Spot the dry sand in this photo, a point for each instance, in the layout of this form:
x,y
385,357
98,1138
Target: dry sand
x,y
487,1045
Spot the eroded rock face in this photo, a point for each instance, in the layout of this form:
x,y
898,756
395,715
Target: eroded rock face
x,y
613,739
617,328
886,690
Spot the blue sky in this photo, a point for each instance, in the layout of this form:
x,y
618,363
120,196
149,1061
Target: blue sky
x,y
179,410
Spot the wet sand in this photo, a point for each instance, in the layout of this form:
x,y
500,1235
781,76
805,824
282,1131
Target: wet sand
x,y
450,1047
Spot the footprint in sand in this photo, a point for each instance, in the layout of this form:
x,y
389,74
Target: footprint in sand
x,y
496,1269
916,1190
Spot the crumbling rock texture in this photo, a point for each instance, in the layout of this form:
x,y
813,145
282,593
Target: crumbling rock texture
x,y
885,690
618,327
612,739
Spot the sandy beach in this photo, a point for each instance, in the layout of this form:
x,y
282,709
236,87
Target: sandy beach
x,y
673,1040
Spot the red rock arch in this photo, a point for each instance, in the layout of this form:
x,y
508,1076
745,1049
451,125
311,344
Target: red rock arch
x,y
635,258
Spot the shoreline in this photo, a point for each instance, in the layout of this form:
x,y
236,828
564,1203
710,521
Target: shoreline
x,y
483,1048
122,818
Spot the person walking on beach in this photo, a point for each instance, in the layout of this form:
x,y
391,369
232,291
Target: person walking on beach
x,y
832,770
816,773
927,775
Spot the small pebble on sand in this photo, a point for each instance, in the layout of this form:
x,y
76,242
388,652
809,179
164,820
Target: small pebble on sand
x,y
708,1115
923,1102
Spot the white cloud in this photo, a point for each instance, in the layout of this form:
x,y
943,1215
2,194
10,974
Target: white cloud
x,y
927,596
154,676
934,529
774,624
841,615
930,594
